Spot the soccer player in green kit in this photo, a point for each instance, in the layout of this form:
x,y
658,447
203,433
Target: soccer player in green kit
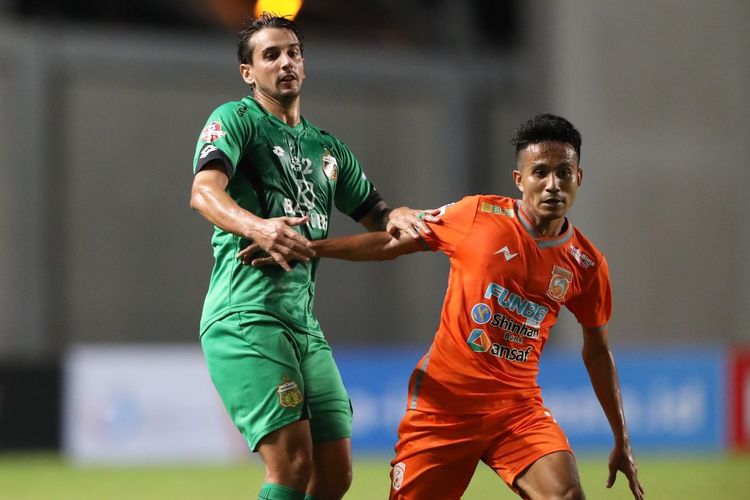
x,y
266,175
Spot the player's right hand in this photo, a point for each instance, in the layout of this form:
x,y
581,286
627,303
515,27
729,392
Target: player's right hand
x,y
280,241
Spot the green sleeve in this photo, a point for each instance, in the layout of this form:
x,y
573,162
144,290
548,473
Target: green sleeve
x,y
224,137
355,194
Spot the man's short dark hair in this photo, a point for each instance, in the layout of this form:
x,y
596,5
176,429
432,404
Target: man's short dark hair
x,y
266,20
544,128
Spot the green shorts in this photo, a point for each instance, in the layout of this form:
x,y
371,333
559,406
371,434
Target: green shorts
x,y
269,374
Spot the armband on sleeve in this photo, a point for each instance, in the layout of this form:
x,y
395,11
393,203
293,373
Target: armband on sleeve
x,y
372,199
210,153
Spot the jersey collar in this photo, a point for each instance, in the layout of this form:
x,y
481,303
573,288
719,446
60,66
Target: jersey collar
x,y
541,241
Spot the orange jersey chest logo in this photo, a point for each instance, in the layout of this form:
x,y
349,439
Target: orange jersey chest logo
x,y
559,283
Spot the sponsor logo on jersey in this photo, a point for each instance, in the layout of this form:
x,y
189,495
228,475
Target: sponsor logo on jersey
x,y
278,151
510,353
478,341
289,393
481,313
330,165
584,260
212,132
506,253
207,150
512,338
506,324
533,312
559,283
398,475
494,209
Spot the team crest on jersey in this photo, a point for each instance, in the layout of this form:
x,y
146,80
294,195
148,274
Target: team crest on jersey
x,y
330,165
398,475
478,341
212,132
494,209
559,283
289,393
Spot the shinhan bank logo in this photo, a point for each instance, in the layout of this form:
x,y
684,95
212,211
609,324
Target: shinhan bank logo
x,y
506,253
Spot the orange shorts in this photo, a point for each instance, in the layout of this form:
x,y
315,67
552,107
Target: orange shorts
x,y
437,453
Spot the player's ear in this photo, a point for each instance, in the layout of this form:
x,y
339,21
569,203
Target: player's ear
x,y
246,70
517,179
580,176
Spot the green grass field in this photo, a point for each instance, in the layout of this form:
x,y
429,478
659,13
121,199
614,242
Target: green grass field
x,y
47,477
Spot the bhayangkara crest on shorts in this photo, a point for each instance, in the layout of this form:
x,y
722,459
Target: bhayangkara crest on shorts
x,y
398,475
559,283
289,393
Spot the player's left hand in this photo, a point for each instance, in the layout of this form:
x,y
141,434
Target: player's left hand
x,y
248,256
622,459
411,221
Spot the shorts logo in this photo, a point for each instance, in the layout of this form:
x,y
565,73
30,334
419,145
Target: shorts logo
x,y
398,475
478,341
289,393
330,165
481,313
212,132
559,283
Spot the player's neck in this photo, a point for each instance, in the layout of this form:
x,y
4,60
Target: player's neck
x,y
545,227
286,111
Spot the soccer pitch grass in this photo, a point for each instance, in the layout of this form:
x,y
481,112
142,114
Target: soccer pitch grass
x,y
47,477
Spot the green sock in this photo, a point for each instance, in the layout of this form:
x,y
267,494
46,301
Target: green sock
x,y
271,491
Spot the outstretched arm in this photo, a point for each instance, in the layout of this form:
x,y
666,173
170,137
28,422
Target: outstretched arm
x,y
367,247
276,236
600,365
399,220
373,246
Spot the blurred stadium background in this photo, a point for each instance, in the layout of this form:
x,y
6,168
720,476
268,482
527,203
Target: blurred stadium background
x,y
103,267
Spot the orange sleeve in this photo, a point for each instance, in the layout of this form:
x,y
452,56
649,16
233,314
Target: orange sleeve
x,y
593,307
455,222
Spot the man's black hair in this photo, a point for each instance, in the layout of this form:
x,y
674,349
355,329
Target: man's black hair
x,y
266,20
544,128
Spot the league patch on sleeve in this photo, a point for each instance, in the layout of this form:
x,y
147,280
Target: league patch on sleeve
x,y
212,132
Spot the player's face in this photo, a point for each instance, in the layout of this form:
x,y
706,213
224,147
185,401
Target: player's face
x,y
278,67
548,177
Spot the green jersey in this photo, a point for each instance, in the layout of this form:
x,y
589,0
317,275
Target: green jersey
x,y
275,170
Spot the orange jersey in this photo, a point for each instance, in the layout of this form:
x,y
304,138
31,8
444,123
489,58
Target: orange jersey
x,y
505,289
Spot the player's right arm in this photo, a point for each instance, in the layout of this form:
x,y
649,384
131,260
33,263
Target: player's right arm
x,y
374,246
275,235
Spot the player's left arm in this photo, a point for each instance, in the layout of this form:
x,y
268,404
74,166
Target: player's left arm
x,y
600,364
399,220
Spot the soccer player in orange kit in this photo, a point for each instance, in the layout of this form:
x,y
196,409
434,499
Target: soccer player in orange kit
x,y
474,396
